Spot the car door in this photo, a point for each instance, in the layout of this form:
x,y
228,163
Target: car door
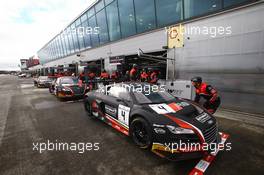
x,y
118,105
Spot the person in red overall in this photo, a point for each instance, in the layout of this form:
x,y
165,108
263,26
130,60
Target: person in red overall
x,y
133,73
144,76
104,76
154,77
208,93
115,76
91,77
82,76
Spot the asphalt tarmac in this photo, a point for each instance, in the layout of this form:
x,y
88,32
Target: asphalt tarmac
x,y
30,116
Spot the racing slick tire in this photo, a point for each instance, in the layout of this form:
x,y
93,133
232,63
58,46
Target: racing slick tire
x,y
141,133
51,90
88,109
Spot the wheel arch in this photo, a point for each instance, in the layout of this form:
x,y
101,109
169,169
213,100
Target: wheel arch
x,y
141,114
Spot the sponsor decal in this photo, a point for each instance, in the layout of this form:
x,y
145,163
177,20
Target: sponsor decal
x,y
117,125
183,104
162,108
110,110
203,118
175,107
170,108
202,165
123,114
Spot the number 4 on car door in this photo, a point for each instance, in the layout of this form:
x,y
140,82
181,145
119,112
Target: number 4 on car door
x,y
123,114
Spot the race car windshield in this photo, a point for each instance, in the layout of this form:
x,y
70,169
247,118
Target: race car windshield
x,y
69,81
153,97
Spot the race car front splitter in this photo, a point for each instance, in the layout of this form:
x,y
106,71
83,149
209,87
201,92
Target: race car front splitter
x,y
202,165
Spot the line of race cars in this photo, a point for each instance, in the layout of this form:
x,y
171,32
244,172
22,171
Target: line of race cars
x,y
147,113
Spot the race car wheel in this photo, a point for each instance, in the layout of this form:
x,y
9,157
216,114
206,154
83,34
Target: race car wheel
x,y
140,131
50,90
88,109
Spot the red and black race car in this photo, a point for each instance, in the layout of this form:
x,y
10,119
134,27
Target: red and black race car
x,y
153,118
68,87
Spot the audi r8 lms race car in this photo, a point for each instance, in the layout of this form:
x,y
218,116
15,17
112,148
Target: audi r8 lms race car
x,y
153,118
69,87
43,81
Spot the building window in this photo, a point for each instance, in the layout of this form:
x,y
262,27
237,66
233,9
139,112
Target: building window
x,y
75,37
78,21
57,43
99,6
101,22
145,15
53,56
127,17
228,3
108,2
94,37
84,17
168,11
90,13
113,21
69,35
194,8
62,44
80,35
86,36
66,43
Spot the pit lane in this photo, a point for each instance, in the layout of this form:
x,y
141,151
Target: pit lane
x,y
29,114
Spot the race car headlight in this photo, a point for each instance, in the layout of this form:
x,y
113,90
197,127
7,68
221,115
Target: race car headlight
x,y
179,130
66,89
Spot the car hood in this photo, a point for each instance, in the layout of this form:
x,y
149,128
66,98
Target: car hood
x,y
184,114
75,88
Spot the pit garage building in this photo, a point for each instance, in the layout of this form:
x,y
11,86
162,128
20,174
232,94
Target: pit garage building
x,y
232,61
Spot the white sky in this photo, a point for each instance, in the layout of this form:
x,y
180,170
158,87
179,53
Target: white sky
x,y
27,25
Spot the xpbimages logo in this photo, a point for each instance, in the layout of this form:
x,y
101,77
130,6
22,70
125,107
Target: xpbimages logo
x,y
147,89
191,147
212,31
79,147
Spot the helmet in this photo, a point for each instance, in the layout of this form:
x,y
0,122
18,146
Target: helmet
x,y
197,80
134,65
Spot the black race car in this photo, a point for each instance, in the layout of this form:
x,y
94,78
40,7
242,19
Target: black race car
x,y
69,87
153,118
